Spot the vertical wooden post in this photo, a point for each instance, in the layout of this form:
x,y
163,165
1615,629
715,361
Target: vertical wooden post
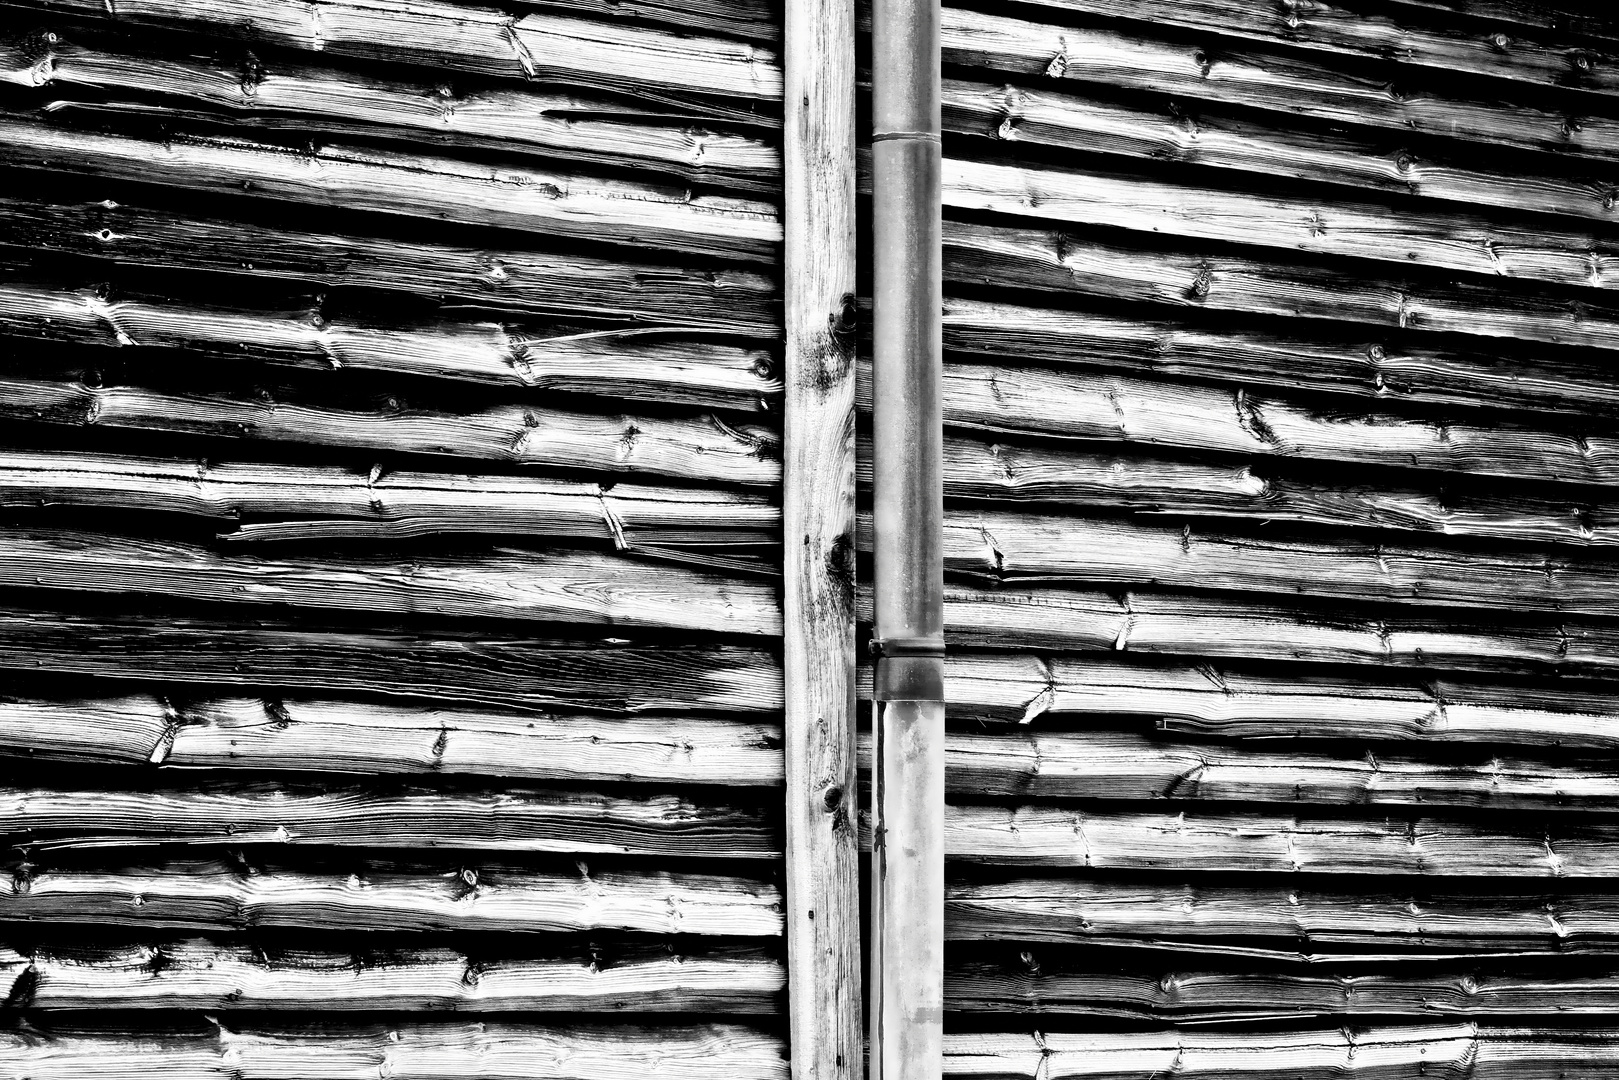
x,y
823,891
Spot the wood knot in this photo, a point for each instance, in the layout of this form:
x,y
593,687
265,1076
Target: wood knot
x,y
832,797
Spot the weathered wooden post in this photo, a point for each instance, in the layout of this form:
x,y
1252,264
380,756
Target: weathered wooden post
x,y
907,883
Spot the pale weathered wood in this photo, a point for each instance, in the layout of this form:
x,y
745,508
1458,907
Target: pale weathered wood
x,y
637,364
1437,237
508,820
1270,79
300,735
304,501
1262,284
1198,841
1025,115
1360,31
202,974
554,586
476,39
366,894
491,669
409,184
1284,921
413,1051
514,278
1457,1049
1109,764
353,103
1043,982
818,473
691,448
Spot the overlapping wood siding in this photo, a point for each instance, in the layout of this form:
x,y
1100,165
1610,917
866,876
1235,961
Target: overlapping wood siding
x,y
390,583
1280,413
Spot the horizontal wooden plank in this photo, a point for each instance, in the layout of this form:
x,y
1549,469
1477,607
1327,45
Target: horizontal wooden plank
x,y
749,20
413,1051
475,895
1263,358
1285,921
1128,766
301,735
1267,283
513,278
639,364
1433,44
1427,236
204,974
476,39
335,100
1234,842
1339,705
1560,16
1274,80
555,586
411,185
1024,115
508,820
1259,490
1484,1053
282,501
439,665
1110,552
690,448
1034,983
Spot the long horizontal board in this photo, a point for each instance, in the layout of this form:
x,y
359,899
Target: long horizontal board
x,y
201,974
301,501
350,102
407,184
640,364
441,666
690,448
1269,283
512,278
476,39
414,1051
555,586
506,821
369,895
1290,922
1456,1049
302,735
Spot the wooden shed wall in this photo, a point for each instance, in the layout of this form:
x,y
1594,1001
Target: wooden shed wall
x,y
390,540
1280,471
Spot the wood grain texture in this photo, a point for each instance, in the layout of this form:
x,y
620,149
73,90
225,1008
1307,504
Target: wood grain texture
x,y
690,448
556,586
1038,982
408,184
1271,922
818,445
271,501
1447,1050
1274,80
1354,30
202,974
480,669
1267,283
414,1051
369,894
495,275
1442,238
1034,116
476,39
510,819
639,364
339,101
302,735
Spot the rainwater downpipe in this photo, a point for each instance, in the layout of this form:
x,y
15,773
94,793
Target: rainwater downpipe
x,y
907,864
